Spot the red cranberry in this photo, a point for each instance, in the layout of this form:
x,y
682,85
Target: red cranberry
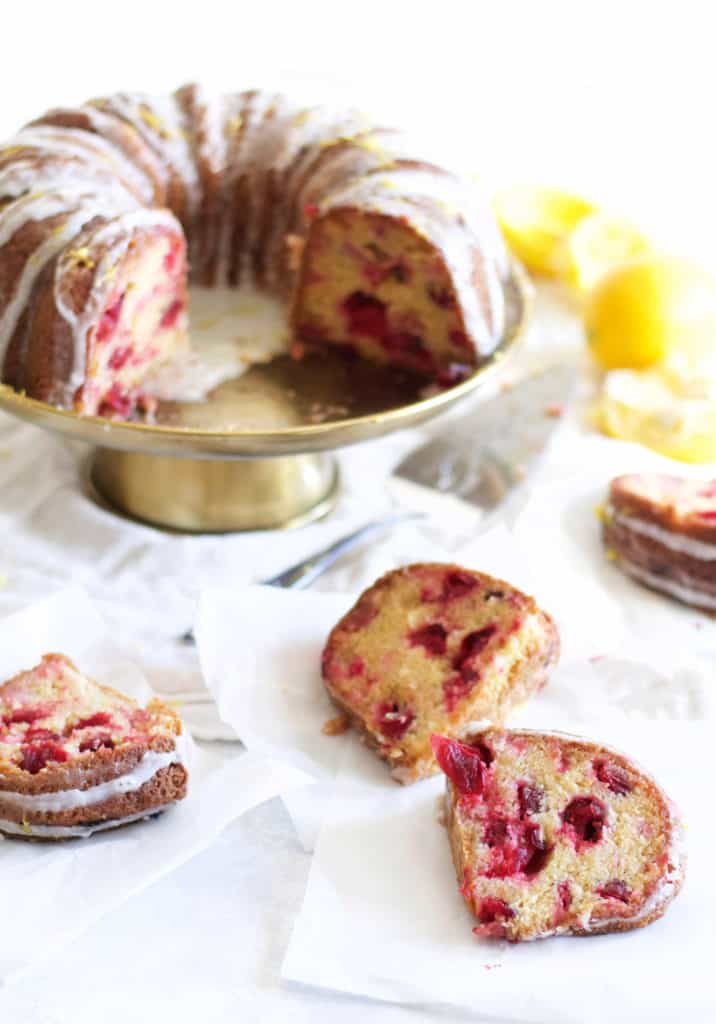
x,y
99,718
34,735
615,890
613,776
360,616
392,721
25,714
36,755
464,764
171,259
564,896
366,315
118,401
473,644
460,340
587,816
457,687
458,584
356,668
432,637
120,357
441,296
516,848
96,742
172,314
530,798
310,210
491,909
110,319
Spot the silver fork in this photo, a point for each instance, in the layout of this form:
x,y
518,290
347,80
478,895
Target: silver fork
x,y
309,569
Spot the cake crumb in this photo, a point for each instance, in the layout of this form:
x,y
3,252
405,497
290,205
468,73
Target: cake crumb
x,y
554,412
336,726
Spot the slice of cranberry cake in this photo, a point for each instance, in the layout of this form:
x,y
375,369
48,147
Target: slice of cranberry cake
x,y
553,835
661,530
433,647
77,757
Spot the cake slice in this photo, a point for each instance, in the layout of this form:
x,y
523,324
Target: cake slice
x,y
553,835
77,757
433,647
661,530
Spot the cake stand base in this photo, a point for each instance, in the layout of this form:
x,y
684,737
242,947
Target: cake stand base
x,y
216,495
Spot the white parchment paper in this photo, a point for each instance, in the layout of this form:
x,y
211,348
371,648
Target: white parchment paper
x,y
50,892
382,915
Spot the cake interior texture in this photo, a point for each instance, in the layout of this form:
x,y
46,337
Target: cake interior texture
x,y
434,647
553,835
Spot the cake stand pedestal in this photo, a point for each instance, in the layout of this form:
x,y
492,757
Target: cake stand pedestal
x,y
256,454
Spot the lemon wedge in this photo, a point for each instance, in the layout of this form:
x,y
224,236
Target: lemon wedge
x,y
537,222
598,243
640,313
642,406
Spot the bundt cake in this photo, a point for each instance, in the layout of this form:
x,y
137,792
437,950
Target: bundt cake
x,y
104,207
661,530
77,757
431,648
553,835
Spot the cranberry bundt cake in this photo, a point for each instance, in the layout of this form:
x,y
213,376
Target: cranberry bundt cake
x,y
435,648
104,207
661,530
77,757
553,835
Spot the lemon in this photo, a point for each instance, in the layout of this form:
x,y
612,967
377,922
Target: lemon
x,y
640,312
536,223
598,243
641,406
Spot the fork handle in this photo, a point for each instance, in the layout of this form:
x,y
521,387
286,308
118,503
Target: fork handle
x,y
305,572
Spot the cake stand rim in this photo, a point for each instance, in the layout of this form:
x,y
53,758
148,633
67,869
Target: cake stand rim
x,y
183,442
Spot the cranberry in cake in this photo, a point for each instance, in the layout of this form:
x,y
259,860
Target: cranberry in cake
x,y
661,530
553,835
433,647
77,757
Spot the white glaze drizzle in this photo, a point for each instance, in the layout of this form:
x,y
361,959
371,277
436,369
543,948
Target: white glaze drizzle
x,y
681,591
73,142
165,110
699,549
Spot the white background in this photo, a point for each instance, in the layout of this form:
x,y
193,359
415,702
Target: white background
x,y
612,99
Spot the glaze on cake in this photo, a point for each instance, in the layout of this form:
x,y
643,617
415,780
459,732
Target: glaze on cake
x,y
553,835
434,647
78,757
661,530
369,246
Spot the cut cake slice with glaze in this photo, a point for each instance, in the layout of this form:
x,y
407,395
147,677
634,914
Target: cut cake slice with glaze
x,y
661,530
78,757
554,835
434,647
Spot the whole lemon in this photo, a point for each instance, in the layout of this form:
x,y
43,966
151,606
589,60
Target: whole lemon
x,y
642,311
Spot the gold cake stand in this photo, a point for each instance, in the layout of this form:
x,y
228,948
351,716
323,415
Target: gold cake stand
x,y
257,453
